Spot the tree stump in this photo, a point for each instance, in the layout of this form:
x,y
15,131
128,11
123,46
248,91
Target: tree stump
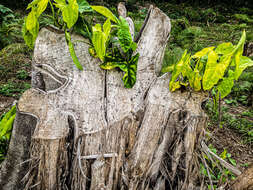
x,y
92,133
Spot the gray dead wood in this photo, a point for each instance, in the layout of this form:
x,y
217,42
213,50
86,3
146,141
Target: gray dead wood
x,y
92,133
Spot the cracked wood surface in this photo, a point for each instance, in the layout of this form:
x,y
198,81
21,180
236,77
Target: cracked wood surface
x,y
92,133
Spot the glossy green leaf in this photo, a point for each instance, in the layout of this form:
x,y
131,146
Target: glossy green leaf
x,y
243,64
33,3
124,35
203,52
69,11
238,53
42,5
99,41
167,69
107,29
30,35
226,85
181,67
31,20
129,78
72,51
105,12
195,79
83,6
130,69
113,65
224,48
7,121
214,71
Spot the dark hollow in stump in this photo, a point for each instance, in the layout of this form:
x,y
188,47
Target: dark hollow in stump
x,y
92,133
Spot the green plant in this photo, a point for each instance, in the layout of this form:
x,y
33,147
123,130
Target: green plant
x,y
121,56
22,74
6,123
211,69
101,38
10,26
218,173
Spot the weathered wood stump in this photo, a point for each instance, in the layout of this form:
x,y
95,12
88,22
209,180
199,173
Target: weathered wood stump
x,y
92,133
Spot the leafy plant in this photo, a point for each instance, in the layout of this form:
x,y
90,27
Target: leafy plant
x,y
115,51
5,131
218,173
104,39
211,69
69,15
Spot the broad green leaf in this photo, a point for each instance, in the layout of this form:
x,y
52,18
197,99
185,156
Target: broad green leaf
x,y
226,85
6,121
83,6
107,29
181,67
105,12
214,71
129,78
195,80
99,41
72,51
124,35
7,126
31,20
224,48
28,37
167,69
243,64
238,53
112,65
32,4
42,5
69,11
203,52
176,85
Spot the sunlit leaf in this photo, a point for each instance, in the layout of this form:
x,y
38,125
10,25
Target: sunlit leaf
x,y
129,78
107,29
226,85
72,51
181,67
124,35
214,71
106,12
224,48
83,6
69,11
203,52
99,41
243,64
42,5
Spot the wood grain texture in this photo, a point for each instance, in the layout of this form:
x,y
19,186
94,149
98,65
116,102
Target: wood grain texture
x,y
92,133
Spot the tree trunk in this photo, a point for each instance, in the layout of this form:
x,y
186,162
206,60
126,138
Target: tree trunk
x,y
92,133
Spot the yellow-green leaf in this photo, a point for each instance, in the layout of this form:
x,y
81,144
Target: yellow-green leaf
x,y
69,11
181,67
72,51
214,71
31,20
226,85
99,41
107,29
195,80
243,64
203,52
224,48
106,12
42,5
